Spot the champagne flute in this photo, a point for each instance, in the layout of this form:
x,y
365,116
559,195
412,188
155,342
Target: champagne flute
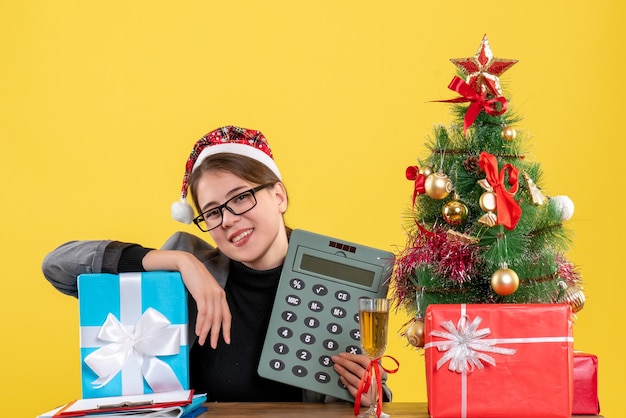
x,y
373,323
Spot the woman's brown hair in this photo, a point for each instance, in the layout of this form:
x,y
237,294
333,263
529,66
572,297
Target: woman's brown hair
x,y
246,168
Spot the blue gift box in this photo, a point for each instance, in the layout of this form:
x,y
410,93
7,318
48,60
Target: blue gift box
x,y
133,333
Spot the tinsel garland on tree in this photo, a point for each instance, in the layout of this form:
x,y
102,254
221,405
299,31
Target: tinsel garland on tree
x,y
480,228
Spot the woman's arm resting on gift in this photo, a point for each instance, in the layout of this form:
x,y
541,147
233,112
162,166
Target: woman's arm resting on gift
x,y
213,311
64,264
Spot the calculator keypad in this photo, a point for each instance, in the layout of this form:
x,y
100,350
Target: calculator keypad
x,y
315,313
308,352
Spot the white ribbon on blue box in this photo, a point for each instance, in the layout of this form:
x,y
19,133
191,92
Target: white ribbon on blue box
x,y
133,333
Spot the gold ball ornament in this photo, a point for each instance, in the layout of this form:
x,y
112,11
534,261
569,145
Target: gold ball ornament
x,y
415,334
574,297
487,201
454,212
504,281
508,133
438,185
427,171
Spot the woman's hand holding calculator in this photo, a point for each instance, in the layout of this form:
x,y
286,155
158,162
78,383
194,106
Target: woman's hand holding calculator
x,y
351,368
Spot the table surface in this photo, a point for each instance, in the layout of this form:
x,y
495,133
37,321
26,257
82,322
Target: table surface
x,y
299,410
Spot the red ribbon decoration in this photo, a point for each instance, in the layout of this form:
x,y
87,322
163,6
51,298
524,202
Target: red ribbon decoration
x,y
413,173
478,102
507,209
425,231
366,380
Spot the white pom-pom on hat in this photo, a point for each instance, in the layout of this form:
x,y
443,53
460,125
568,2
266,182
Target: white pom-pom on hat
x,y
182,211
227,139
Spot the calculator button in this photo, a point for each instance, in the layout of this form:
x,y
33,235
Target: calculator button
x,y
304,355
316,306
277,365
293,300
342,296
353,349
331,345
289,316
307,338
280,348
299,371
334,328
320,289
355,334
285,332
311,322
326,361
322,377
341,385
296,284
338,312
356,317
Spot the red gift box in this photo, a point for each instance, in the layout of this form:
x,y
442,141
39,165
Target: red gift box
x,y
585,384
499,360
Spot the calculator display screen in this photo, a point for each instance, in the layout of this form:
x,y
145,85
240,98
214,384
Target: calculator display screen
x,y
337,270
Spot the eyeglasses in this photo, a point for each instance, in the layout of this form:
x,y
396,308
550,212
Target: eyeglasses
x,y
237,205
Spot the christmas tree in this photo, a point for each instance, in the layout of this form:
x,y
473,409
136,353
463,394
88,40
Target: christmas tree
x,y
480,228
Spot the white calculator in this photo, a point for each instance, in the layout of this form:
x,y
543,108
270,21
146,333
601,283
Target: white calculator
x,y
315,313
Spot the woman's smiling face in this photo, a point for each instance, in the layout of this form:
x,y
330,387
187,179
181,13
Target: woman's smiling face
x,y
256,238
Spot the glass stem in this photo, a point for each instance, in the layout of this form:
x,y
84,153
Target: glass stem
x,y
374,391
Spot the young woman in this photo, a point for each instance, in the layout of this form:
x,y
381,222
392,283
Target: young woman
x,y
237,190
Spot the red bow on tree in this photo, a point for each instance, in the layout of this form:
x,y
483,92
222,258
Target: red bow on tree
x,y
413,173
507,208
493,107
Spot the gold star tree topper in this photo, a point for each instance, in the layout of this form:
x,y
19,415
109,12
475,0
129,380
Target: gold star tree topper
x,y
483,70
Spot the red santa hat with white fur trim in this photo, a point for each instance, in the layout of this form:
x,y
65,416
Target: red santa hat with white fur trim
x,y
227,139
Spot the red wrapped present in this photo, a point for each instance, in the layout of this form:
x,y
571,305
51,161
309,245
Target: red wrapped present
x,y
586,400
499,360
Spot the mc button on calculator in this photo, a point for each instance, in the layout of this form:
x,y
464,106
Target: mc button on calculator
x,y
315,313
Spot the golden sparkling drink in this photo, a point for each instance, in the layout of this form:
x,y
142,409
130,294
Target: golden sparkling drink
x,y
374,332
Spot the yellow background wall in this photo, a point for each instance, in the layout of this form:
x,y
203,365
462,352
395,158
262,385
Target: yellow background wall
x,y
100,103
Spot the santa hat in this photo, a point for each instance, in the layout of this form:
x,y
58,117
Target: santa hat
x,y
227,139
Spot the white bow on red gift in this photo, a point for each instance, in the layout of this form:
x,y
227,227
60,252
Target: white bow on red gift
x,y
466,346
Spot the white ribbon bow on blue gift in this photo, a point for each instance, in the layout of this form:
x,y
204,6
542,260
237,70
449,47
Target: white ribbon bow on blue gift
x,y
152,336
466,345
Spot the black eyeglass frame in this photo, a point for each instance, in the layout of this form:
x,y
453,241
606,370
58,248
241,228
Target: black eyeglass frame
x,y
200,218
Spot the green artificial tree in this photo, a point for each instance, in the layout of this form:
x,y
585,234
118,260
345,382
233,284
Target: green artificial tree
x,y
480,228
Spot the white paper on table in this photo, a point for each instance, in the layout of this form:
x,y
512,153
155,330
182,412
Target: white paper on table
x,y
158,401
170,412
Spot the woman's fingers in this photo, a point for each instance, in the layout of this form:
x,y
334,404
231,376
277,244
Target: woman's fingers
x,y
213,311
226,321
351,368
213,316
